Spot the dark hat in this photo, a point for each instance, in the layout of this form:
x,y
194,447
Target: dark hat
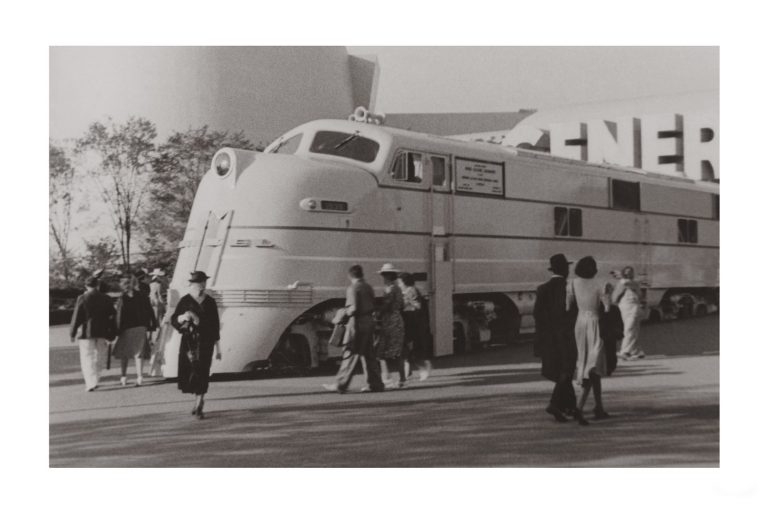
x,y
558,261
92,282
198,276
140,273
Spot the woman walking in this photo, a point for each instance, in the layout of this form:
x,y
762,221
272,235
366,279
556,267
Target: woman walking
x,y
157,300
392,336
134,319
416,320
197,319
588,295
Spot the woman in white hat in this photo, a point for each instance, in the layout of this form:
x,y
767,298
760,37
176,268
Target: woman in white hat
x,y
392,337
157,299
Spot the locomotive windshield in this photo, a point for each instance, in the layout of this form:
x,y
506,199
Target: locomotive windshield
x,y
347,145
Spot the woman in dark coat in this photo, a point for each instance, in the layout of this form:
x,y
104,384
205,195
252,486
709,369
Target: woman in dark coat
x,y
197,319
134,319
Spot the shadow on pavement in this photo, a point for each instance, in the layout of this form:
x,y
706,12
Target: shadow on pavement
x,y
448,432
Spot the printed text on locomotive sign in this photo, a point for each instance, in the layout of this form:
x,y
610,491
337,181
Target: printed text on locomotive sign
x,y
479,177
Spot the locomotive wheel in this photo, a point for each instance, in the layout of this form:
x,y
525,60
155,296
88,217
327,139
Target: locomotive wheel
x,y
292,355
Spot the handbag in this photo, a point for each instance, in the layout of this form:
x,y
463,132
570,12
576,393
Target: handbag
x,y
337,336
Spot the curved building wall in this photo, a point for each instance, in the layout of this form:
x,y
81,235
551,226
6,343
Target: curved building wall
x,y
263,91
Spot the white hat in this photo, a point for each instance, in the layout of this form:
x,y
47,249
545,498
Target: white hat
x,y
388,267
157,273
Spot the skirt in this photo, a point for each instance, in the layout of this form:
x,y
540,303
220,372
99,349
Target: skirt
x,y
591,353
130,343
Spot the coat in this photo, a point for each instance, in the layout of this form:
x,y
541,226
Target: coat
x,y
135,311
193,372
95,314
359,309
554,342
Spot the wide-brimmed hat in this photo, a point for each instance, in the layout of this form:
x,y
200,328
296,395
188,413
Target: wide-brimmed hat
x,y
157,273
558,261
198,276
389,268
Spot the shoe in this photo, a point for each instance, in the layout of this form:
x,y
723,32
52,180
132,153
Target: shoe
x,y
200,415
365,389
138,382
331,387
123,381
91,389
600,414
559,417
632,358
640,355
194,410
622,355
580,418
402,384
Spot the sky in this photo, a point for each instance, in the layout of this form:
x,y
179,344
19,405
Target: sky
x,y
501,79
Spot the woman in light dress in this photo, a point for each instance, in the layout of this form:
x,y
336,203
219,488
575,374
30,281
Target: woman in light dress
x,y
588,295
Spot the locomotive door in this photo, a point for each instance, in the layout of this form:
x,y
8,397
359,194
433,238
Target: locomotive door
x,y
441,254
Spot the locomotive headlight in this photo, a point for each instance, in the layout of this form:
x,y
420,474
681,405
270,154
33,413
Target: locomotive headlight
x,y
222,163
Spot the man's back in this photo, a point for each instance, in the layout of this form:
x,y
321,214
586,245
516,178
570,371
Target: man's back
x,y
94,312
360,298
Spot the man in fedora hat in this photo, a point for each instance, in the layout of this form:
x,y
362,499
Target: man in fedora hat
x,y
554,342
359,341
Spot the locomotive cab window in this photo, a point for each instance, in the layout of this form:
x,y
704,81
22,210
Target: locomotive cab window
x,y
347,145
567,221
625,195
687,231
441,172
408,167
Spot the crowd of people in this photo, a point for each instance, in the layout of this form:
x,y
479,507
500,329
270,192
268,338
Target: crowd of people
x,y
577,329
136,327
402,339
578,325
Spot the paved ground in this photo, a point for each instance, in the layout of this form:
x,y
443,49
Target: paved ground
x,y
483,409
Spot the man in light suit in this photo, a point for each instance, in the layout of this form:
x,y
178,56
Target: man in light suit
x,y
96,315
359,340
555,343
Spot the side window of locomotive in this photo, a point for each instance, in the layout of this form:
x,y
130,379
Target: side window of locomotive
x,y
567,221
408,167
440,174
687,231
625,195
288,146
347,145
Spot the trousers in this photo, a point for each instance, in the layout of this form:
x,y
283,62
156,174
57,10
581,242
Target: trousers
x,y
349,362
92,352
563,396
630,315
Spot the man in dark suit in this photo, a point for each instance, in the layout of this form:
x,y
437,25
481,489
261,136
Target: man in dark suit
x,y
359,340
554,342
96,315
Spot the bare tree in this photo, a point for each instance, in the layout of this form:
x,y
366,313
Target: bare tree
x,y
125,153
177,169
61,175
